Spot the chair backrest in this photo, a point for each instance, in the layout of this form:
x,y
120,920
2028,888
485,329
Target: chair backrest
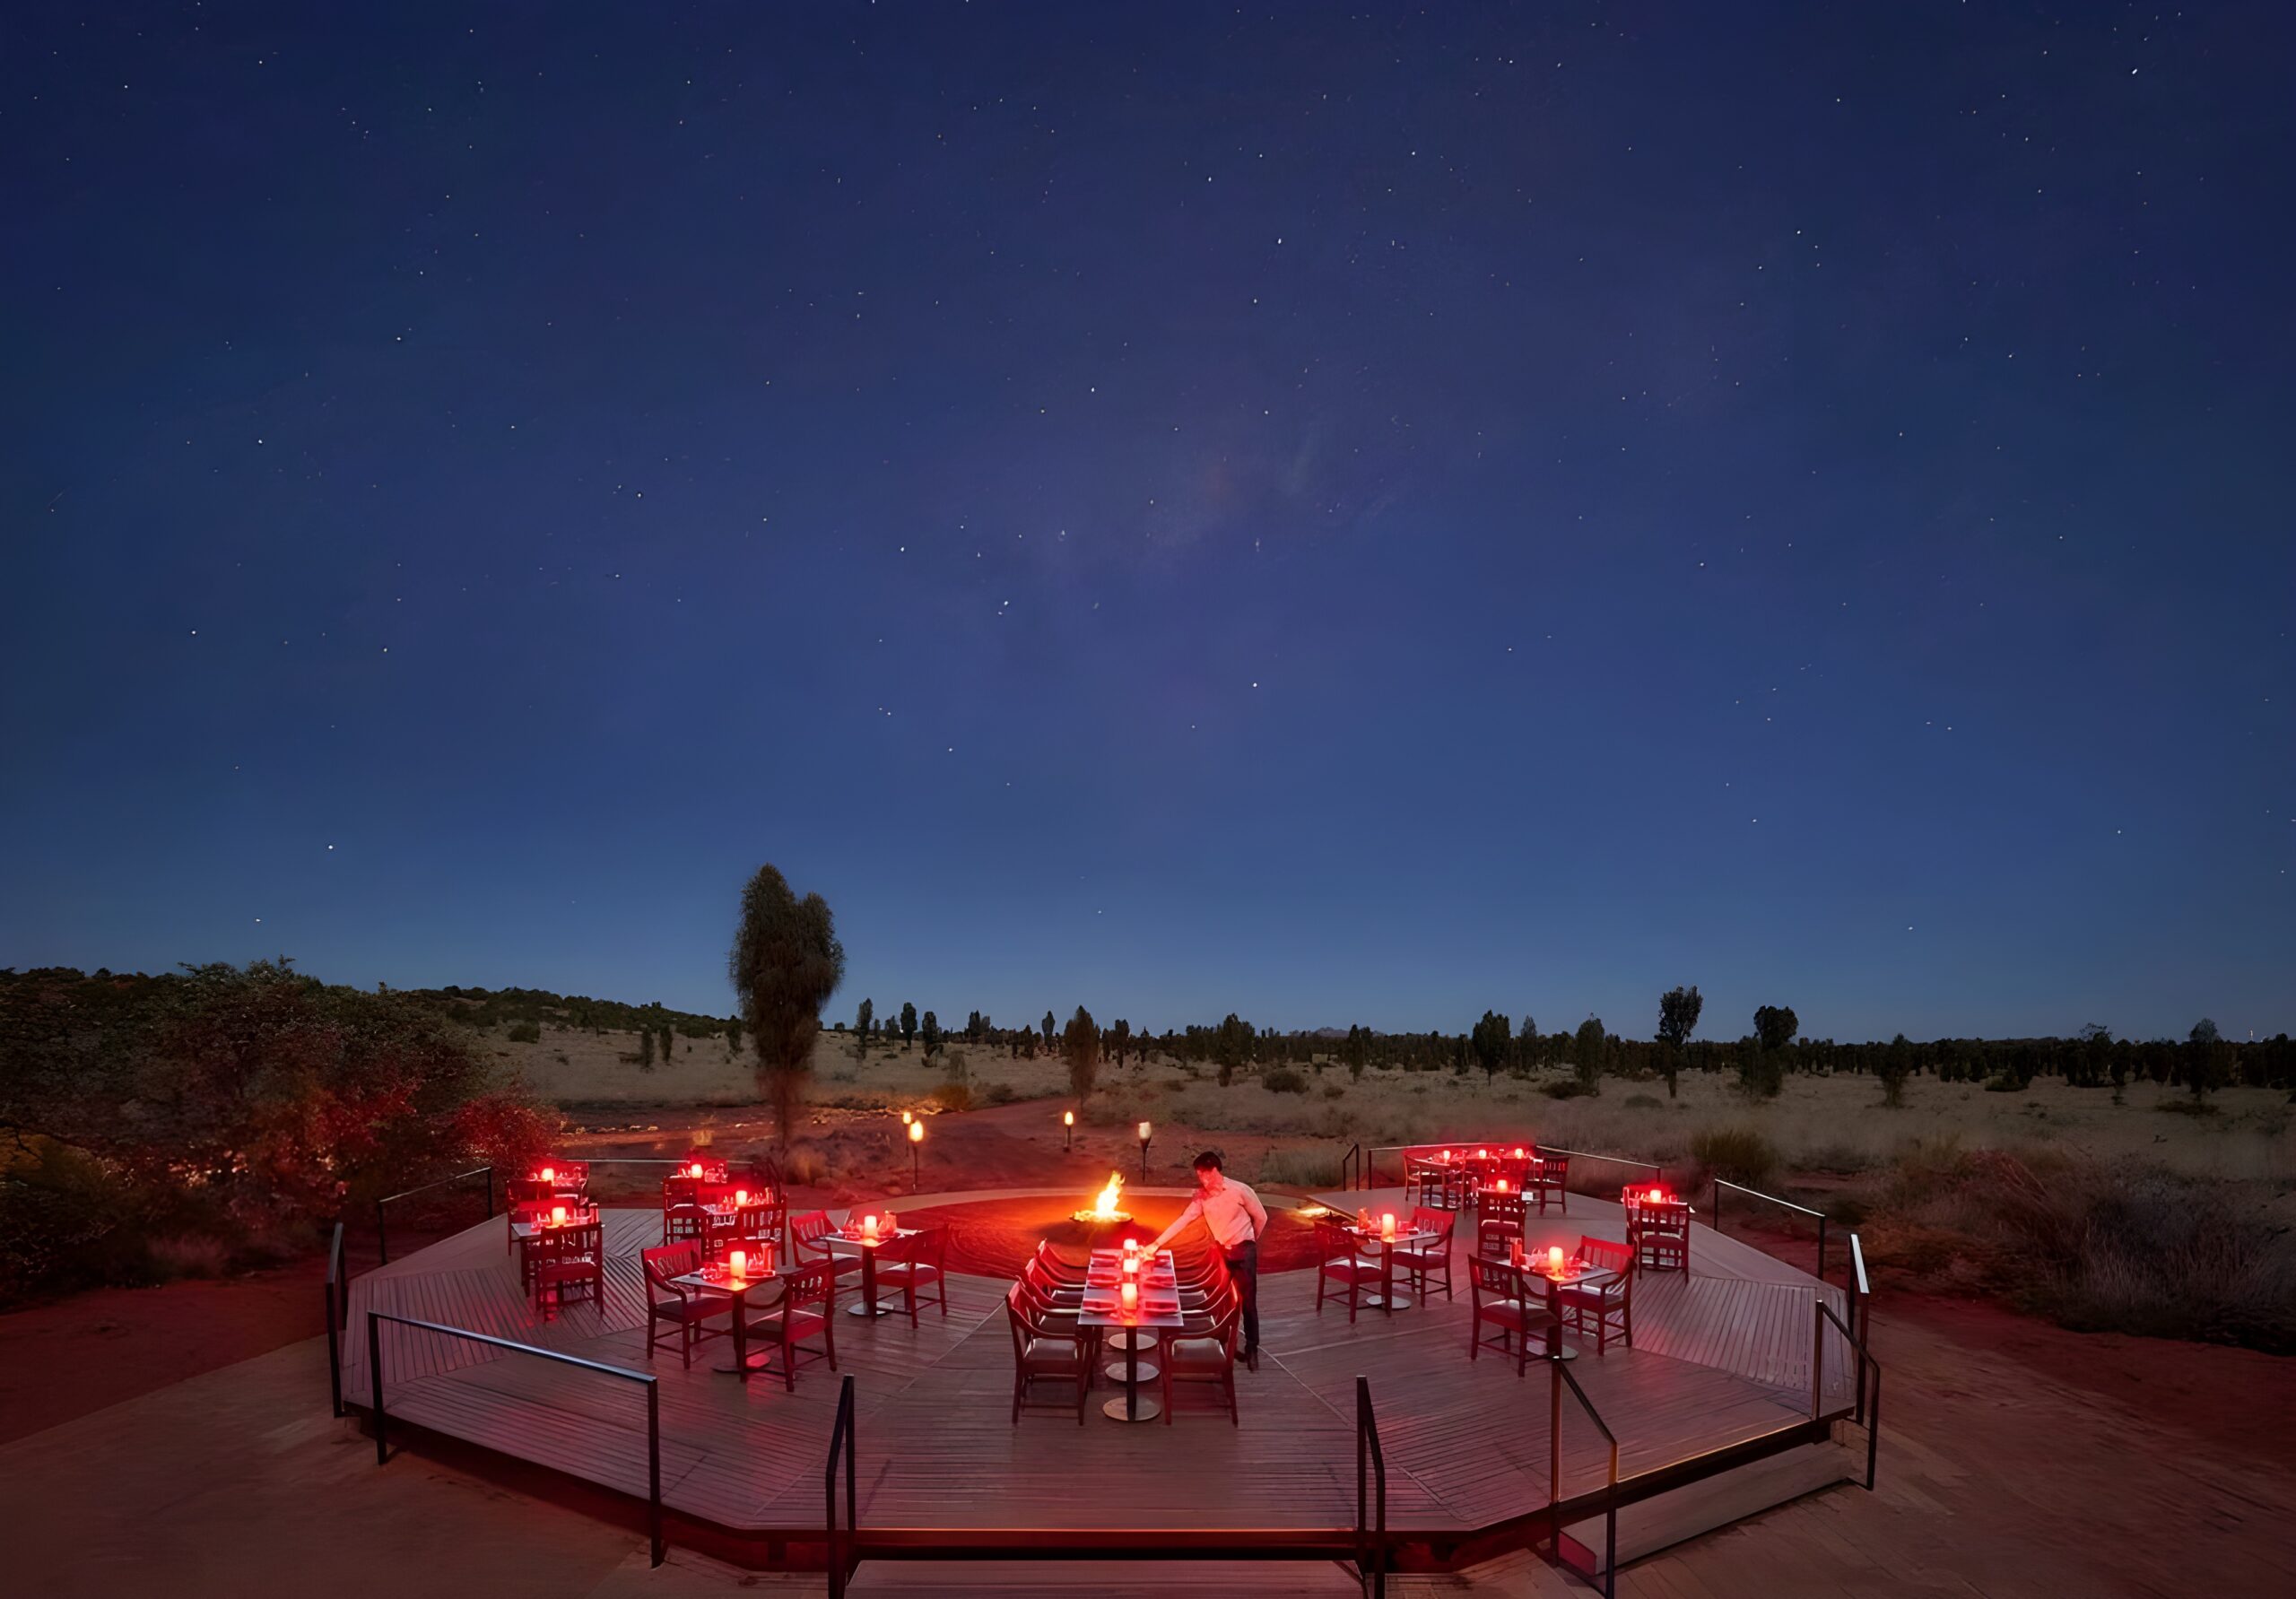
x,y
1502,1207
809,1229
930,1246
1334,1242
664,1261
1610,1256
1494,1280
1039,1282
681,1221
762,1219
813,1285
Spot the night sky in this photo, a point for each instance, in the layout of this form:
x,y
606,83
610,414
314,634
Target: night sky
x,y
1179,509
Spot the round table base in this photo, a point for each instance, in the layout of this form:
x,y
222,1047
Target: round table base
x,y
1565,1354
1114,1372
1121,1340
1148,1410
861,1307
1387,1303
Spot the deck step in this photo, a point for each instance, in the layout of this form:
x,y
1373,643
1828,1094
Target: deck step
x,y
1104,1579
1684,1513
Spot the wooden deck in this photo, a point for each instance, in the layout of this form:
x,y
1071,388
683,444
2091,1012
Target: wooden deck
x,y
1720,1360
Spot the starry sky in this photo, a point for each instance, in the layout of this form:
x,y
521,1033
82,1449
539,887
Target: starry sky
x,y
1336,515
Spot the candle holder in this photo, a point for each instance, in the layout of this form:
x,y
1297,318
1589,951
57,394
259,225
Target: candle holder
x,y
916,1142
1147,1133
1068,1130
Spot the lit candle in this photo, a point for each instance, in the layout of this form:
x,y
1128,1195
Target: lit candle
x,y
694,1169
869,1227
1132,1248
735,1261
1131,1266
1131,1294
1146,1129
1555,1258
558,1215
548,1175
1067,1118
1501,1185
907,1120
1388,1225
1519,1151
741,1197
917,1132
1482,1154
1657,1195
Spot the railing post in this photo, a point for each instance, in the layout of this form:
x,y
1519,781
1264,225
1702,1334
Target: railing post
x,y
382,1234
1817,1359
334,1329
653,1462
375,1375
1873,1431
1555,1456
490,1213
1821,1248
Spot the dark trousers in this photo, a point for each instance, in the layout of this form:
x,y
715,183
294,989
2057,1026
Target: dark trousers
x,y
1243,1271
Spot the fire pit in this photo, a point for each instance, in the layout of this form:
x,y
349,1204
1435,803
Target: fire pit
x,y
1103,1210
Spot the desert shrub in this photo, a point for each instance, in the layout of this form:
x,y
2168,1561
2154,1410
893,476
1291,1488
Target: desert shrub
x,y
525,1032
1333,1091
806,1166
1734,1151
952,1096
1002,1093
1301,1166
1567,1088
2004,1084
1283,1080
188,1255
1643,1101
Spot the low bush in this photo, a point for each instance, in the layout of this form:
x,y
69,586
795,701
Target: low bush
x,y
952,1096
805,1166
525,1032
1283,1080
1002,1093
1643,1102
1567,1088
1300,1165
1734,1151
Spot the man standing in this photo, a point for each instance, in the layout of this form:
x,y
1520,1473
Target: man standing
x,y
1235,1218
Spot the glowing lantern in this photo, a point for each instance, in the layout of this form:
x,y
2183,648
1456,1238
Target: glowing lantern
x,y
1147,1130
1131,1250
549,1176
907,1119
1131,1297
869,1229
735,1262
1658,1196
1500,1185
558,1215
1482,1154
694,1169
1555,1258
741,1197
1387,1226
1519,1151
917,1132
1131,1266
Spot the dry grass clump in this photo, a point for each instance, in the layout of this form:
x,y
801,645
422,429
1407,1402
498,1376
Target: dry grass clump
x,y
1733,1151
1301,1168
2098,1248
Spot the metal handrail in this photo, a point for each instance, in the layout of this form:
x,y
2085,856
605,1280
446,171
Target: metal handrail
x,y
1871,1412
382,1233
840,1442
374,1318
1719,1184
1371,1496
338,1310
1562,1378
1613,1159
1352,1159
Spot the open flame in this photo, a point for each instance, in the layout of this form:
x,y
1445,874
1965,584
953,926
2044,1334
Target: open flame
x,y
1104,1205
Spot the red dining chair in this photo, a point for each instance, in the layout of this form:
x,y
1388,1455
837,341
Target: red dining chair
x,y
568,1257
668,1305
809,1236
920,1268
1501,1294
685,1223
1499,1222
1422,1262
1206,1359
1662,1234
1607,1307
1357,1274
805,1308
1547,1182
1044,1352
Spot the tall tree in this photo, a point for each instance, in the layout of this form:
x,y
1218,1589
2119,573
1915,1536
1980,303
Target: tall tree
x,y
1231,1047
2206,1063
1080,1043
1678,1009
1588,1050
1049,1030
785,964
1893,1068
1491,1039
907,1023
864,1020
1119,1035
1526,1041
930,1028
1776,1025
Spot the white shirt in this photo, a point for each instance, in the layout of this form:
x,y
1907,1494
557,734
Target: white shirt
x,y
1231,1212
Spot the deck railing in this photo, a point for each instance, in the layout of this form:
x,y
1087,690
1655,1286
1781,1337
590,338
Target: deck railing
x,y
374,1318
382,1230
1352,1162
1371,1497
1783,1204
1870,1412
839,1534
1556,1148
1561,1379
338,1312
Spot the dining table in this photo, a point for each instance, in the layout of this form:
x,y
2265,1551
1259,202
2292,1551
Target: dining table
x,y
1569,1273
1374,1239
865,1245
1157,1309
716,1278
